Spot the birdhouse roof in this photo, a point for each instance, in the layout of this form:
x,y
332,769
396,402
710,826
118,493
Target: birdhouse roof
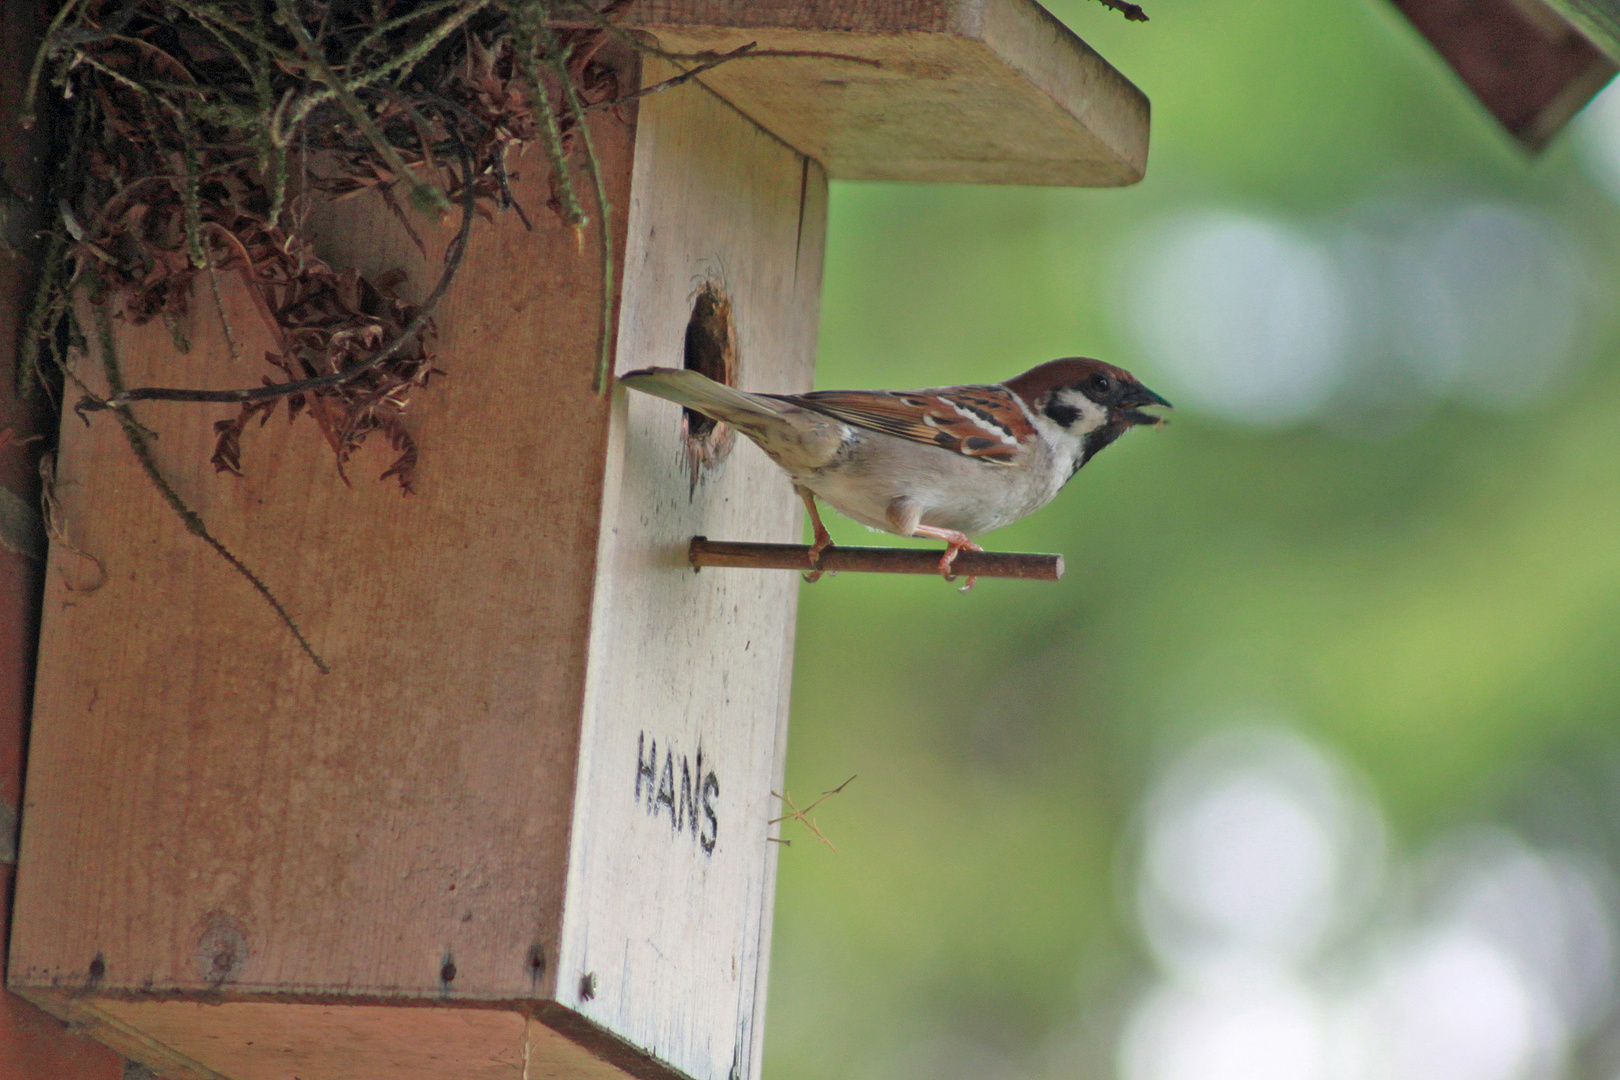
x,y
967,91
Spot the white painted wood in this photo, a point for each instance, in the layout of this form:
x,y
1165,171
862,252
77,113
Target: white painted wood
x,y
667,912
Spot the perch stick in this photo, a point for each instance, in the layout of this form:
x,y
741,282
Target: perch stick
x,y
870,560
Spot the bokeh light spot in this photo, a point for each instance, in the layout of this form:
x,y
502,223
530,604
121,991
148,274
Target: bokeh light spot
x,y
1246,318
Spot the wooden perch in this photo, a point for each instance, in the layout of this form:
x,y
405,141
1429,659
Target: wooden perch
x,y
871,560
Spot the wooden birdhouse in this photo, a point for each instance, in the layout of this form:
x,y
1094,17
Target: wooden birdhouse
x,y
521,829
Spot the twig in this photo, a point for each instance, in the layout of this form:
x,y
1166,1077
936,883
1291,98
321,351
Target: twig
x,y
51,511
683,77
1003,564
452,260
47,47
407,58
191,201
710,60
44,311
1132,12
507,198
526,45
135,434
601,20
802,816
559,63
424,195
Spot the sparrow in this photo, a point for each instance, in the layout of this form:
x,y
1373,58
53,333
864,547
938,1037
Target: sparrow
x,y
950,463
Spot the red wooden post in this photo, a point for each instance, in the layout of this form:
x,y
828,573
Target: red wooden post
x,y
33,1044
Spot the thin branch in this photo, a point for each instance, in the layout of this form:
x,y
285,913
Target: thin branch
x,y
136,436
51,510
559,63
683,77
406,58
601,21
526,46
424,195
1132,12
802,816
47,47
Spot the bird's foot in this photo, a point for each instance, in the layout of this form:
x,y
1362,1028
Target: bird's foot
x,y
955,544
822,543
823,539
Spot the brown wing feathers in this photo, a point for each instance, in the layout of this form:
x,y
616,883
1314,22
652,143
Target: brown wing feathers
x,y
983,422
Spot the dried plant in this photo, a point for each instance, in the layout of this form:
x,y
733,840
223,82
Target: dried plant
x,y
198,132
803,816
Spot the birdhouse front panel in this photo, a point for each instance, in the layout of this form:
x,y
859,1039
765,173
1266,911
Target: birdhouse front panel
x,y
671,872
209,816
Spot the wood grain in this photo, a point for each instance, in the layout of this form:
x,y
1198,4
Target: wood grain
x,y
33,1044
1528,66
252,1040
197,790
671,933
236,867
946,91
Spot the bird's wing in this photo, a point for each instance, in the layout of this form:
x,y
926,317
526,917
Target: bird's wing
x,y
983,422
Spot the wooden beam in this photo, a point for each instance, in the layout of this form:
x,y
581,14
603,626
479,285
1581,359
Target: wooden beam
x,y
947,91
1528,66
1598,20
33,1044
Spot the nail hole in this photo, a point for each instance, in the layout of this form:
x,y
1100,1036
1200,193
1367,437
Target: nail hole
x,y
448,972
587,986
536,960
98,968
711,349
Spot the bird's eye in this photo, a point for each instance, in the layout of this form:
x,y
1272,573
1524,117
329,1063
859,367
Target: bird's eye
x,y
1101,383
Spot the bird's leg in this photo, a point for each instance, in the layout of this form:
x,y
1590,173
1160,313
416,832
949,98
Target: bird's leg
x,y
823,538
956,542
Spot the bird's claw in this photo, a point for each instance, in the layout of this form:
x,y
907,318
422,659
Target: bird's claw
x,y
823,542
954,547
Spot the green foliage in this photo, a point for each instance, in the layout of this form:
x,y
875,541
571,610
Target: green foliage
x,y
1440,607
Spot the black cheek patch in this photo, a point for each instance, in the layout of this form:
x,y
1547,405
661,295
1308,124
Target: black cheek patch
x,y
1060,414
1095,441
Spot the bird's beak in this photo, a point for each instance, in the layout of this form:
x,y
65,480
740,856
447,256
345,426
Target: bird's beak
x,y
1140,398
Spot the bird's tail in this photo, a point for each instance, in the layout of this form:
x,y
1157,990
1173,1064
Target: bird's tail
x,y
702,394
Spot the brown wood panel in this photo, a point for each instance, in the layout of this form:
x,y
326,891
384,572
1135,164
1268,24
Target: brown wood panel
x,y
33,1044
208,813
190,1040
1530,68
1598,20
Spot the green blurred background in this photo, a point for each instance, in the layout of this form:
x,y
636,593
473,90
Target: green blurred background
x,y
1340,640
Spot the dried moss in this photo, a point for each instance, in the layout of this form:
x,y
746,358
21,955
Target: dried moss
x,y
197,132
